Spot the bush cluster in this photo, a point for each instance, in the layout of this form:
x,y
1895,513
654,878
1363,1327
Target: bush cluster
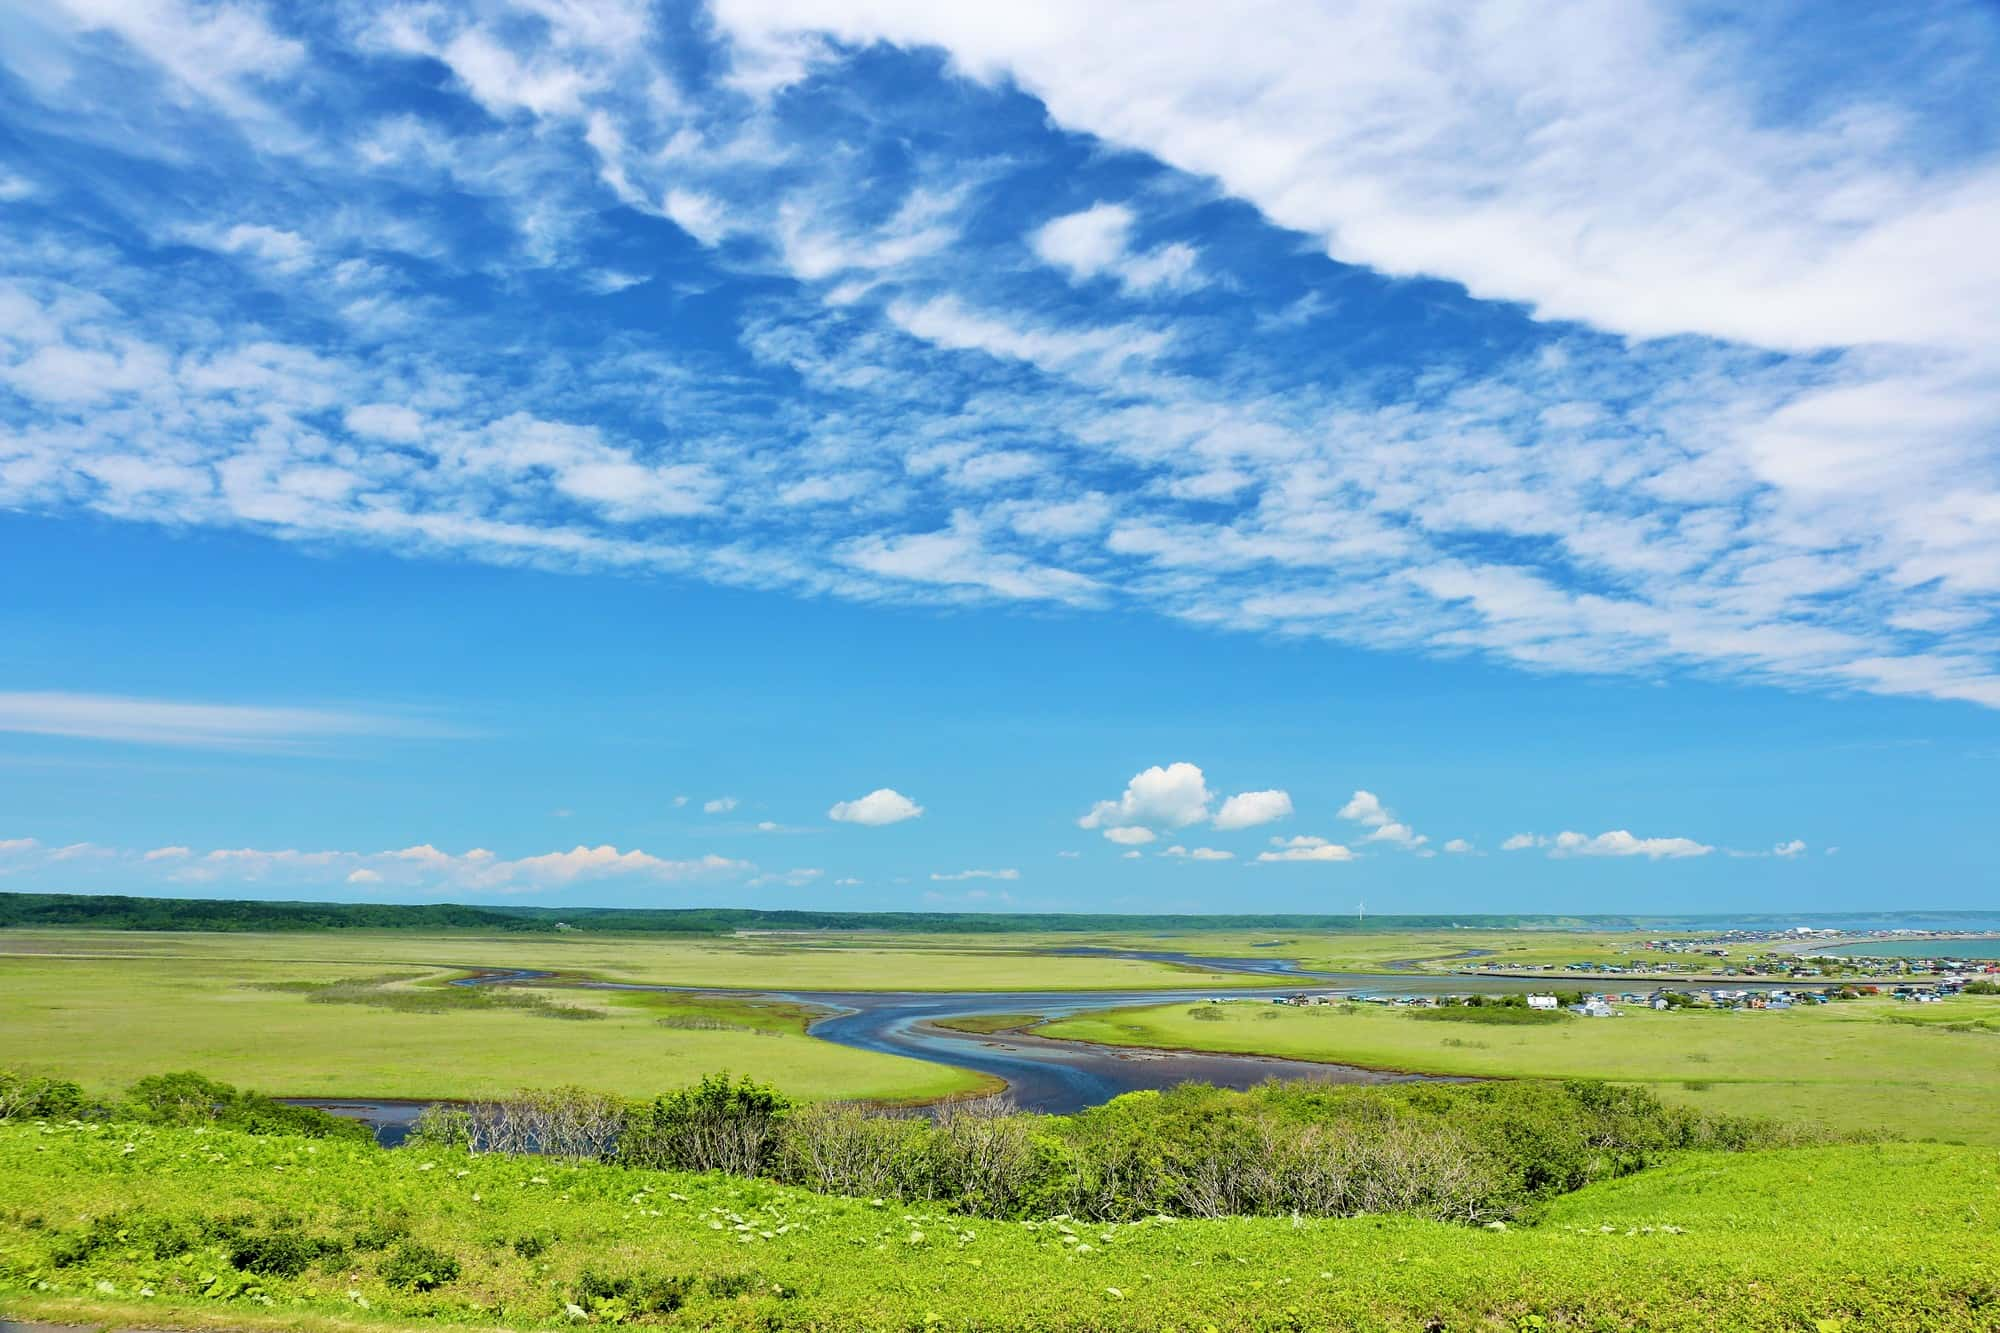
x,y
171,1099
1464,1152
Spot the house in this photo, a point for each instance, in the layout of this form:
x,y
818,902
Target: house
x,y
1542,1002
1595,1007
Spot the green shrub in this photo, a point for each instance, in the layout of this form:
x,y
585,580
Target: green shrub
x,y
714,1126
613,1299
188,1098
414,1267
1516,1015
23,1097
278,1253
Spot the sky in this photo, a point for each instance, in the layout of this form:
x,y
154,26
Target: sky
x,y
869,454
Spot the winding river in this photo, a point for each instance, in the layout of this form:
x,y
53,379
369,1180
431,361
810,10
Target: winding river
x,y
1040,1074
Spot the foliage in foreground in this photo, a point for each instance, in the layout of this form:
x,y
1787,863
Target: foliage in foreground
x,y
156,1226
171,1099
1468,1152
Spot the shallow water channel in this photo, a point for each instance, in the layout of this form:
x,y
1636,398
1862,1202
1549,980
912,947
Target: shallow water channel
x,y
1041,1074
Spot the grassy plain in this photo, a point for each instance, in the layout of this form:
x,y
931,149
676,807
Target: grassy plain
x,y
108,1022
1897,1237
1861,1065
824,961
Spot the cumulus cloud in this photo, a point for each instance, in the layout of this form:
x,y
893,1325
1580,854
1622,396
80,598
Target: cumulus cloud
x,y
1458,846
1366,809
1130,835
884,805
1199,853
1618,842
364,876
1306,849
1789,849
1248,809
974,874
721,805
1175,796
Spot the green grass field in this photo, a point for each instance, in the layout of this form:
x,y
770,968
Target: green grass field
x,y
106,1023
1851,1066
1897,1237
834,962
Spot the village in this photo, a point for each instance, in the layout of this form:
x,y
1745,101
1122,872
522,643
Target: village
x,y
1710,958
1603,1004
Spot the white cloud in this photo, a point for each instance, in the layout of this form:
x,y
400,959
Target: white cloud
x,y
1130,835
1130,856
1247,809
1789,849
1176,796
884,805
1307,849
1458,846
1639,507
721,805
364,876
975,874
791,879
168,854
386,421
1199,853
1618,842
1094,242
1621,843
169,722
18,845
1365,808
581,861
1597,163
1400,835
1085,243
846,882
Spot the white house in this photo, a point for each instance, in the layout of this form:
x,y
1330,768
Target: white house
x,y
1541,1002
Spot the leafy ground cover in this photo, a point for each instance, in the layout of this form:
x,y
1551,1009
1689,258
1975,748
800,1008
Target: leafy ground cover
x,y
1859,1065
152,1227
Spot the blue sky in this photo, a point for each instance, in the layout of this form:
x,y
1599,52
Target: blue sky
x,y
882,454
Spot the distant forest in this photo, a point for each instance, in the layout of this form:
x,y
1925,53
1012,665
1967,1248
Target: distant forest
x,y
118,912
